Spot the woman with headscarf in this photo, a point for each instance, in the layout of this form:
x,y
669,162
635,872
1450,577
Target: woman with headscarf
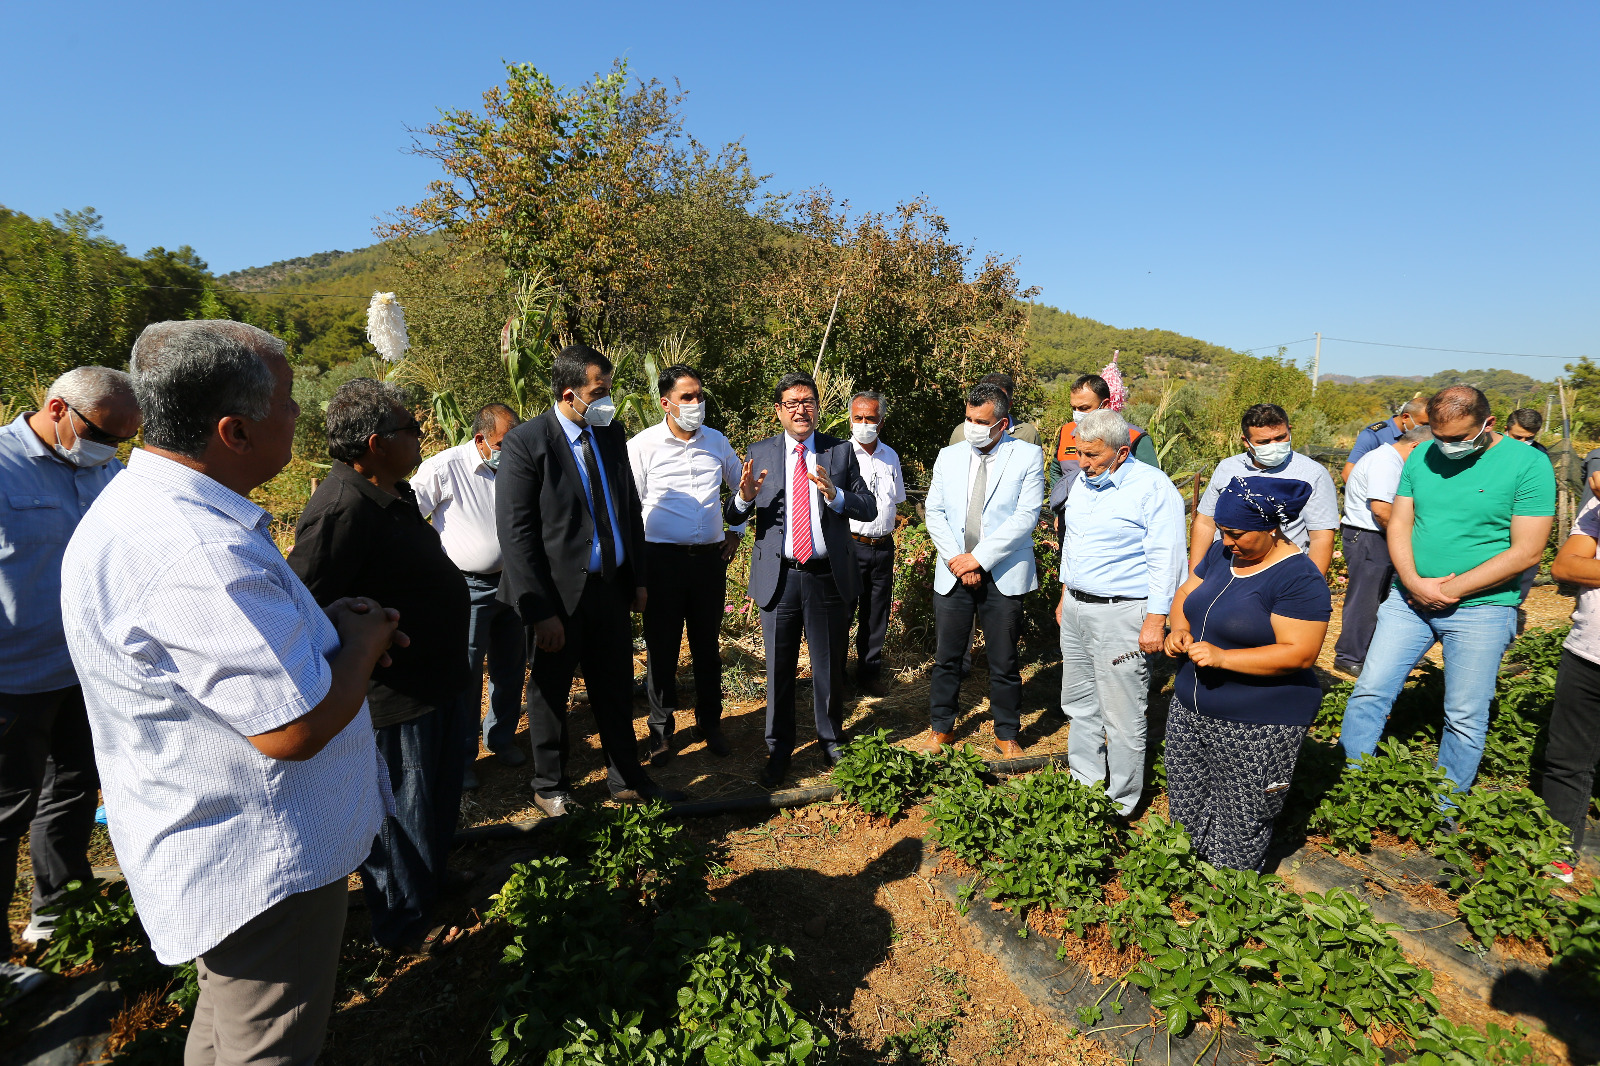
x,y
1249,623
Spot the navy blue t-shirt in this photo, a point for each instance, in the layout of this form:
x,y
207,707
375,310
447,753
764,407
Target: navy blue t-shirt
x,y
1236,612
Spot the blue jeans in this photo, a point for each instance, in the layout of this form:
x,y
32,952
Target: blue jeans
x,y
401,877
494,632
1474,639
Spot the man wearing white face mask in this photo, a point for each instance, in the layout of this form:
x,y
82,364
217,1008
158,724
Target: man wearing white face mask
x,y
1472,512
1269,452
53,465
874,539
573,536
455,493
983,503
681,466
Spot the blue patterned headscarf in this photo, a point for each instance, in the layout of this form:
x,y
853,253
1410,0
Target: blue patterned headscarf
x,y
1260,503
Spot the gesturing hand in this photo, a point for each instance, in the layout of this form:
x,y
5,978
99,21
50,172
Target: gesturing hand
x,y
749,482
819,477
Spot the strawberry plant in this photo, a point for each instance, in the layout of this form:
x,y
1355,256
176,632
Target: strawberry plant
x,y
619,956
883,778
1390,789
1575,939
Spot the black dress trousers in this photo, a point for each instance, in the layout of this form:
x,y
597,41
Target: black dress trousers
x,y
599,639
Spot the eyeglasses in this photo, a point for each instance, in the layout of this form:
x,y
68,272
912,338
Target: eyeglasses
x,y
95,433
412,426
798,405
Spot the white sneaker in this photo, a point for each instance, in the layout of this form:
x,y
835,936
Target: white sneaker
x,y
17,981
41,927
1563,871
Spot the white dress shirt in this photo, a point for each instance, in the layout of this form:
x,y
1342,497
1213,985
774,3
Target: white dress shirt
x,y
190,638
680,483
819,547
1376,477
881,470
455,492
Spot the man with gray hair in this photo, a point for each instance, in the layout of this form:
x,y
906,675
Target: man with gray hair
x,y
1122,558
242,784
874,538
1413,413
362,534
54,462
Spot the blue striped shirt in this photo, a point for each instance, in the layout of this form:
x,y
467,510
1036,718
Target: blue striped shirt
x,y
42,498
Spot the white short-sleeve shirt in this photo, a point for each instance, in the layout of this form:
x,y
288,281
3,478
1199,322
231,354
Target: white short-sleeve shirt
x,y
190,634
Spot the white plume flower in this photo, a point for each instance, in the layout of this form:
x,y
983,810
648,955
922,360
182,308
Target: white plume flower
x,y
386,326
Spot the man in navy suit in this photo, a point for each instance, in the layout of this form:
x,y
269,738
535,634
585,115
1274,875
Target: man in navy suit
x,y
802,525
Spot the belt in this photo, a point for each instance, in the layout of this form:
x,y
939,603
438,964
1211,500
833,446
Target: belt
x,y
876,542
488,579
689,549
1357,529
815,565
1089,597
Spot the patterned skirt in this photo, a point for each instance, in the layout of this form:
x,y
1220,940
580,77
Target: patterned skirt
x,y
1227,781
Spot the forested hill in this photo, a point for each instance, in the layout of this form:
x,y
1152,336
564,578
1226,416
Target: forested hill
x,y
1062,344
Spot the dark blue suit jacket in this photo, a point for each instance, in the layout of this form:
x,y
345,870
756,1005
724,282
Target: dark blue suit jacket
x,y
771,513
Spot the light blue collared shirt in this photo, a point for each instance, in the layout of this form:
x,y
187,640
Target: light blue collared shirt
x,y
573,432
42,499
1125,537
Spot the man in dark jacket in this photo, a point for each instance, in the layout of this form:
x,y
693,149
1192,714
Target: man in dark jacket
x,y
802,515
572,533
362,535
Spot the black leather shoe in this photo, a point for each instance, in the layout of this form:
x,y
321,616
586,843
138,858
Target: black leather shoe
x,y
660,750
831,754
511,756
469,779
557,804
648,792
873,686
716,742
773,773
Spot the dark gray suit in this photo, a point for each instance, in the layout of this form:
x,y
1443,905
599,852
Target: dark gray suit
x,y
814,600
542,515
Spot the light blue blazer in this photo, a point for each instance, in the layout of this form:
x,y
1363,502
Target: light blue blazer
x,y
1010,511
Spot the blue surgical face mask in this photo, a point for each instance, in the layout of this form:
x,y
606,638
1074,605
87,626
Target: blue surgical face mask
x,y
1098,480
494,459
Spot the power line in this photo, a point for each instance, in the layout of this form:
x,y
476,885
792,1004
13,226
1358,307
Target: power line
x,y
1458,351
1285,344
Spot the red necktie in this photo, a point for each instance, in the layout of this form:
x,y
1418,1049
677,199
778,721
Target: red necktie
x,y
800,506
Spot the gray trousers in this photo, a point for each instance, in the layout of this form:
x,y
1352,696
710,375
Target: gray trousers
x,y
266,991
1105,700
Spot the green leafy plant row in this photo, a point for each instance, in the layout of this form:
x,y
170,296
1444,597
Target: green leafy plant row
x,y
1314,979
884,779
620,957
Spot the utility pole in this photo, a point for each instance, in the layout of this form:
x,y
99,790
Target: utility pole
x,y
1316,364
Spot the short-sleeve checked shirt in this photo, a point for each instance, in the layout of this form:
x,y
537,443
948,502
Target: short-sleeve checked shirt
x,y
190,634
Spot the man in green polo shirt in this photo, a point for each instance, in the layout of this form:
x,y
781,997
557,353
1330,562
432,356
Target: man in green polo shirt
x,y
1472,512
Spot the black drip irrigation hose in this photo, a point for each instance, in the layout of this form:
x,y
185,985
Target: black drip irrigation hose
x,y
794,797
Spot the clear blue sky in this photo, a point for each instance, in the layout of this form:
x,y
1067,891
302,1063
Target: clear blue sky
x,y
1418,173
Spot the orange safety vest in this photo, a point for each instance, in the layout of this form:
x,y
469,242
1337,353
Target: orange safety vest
x,y
1067,442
